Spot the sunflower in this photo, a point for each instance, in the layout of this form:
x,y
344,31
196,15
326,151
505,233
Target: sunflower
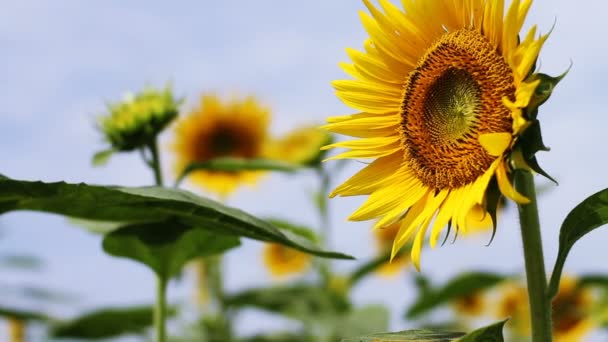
x,y
213,130
571,311
301,146
513,303
472,304
441,91
282,261
571,307
384,238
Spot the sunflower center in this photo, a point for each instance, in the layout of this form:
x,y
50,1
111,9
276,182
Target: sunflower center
x,y
226,140
451,105
452,97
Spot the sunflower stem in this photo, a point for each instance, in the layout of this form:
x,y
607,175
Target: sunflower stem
x,y
323,209
540,306
160,310
155,163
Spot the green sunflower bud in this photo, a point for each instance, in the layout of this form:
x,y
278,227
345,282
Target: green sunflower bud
x,y
138,119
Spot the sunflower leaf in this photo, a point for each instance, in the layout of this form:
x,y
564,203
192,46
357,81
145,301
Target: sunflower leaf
x,y
24,315
490,333
364,320
107,323
299,301
24,262
462,285
230,164
145,204
426,335
297,229
590,214
101,158
165,247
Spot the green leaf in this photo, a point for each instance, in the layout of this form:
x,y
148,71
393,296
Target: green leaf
x,y
491,333
418,335
107,323
23,315
145,204
97,227
230,164
166,247
463,285
101,158
275,337
26,262
600,280
45,295
367,268
299,230
365,320
300,301
585,217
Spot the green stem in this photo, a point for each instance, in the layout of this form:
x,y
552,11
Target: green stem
x,y
158,176
323,209
160,310
540,306
324,206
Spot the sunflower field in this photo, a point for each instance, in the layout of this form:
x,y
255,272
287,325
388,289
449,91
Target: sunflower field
x,y
265,171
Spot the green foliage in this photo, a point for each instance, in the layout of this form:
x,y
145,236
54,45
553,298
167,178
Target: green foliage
x,y
300,301
145,205
106,323
275,337
23,262
369,267
297,229
101,158
585,217
490,333
360,321
461,285
408,336
166,247
232,164
24,315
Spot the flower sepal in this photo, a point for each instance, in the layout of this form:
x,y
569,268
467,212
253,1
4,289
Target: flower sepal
x,y
543,91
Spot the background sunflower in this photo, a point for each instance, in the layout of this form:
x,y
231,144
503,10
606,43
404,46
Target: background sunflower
x,y
237,128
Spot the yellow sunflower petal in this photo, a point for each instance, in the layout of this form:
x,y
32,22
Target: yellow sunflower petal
x,y
495,143
506,188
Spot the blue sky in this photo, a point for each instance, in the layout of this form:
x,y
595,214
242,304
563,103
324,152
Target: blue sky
x,y
62,60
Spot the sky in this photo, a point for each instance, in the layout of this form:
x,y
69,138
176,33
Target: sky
x,y
63,60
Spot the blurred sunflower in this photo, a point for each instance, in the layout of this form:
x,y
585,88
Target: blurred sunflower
x,y
572,309
238,128
16,329
384,239
301,146
440,89
513,303
572,312
473,304
282,261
